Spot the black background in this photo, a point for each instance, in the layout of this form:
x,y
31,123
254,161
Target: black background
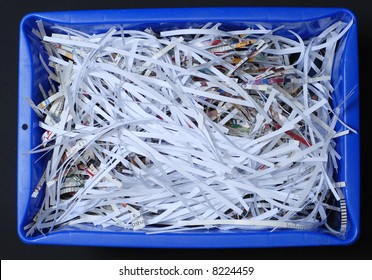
x,y
11,13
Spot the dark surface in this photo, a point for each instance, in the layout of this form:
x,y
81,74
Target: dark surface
x,y
11,13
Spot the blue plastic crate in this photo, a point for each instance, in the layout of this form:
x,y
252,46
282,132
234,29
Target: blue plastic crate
x,y
305,21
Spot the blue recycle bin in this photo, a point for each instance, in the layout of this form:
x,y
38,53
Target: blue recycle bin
x,y
305,21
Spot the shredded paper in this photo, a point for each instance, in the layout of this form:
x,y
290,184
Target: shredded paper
x,y
189,129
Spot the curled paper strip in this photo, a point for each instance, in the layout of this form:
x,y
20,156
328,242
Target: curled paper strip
x,y
189,129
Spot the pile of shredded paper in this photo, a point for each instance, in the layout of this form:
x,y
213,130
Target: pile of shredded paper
x,y
189,129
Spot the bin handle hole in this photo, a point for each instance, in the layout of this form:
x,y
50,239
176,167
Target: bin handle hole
x,y
24,126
